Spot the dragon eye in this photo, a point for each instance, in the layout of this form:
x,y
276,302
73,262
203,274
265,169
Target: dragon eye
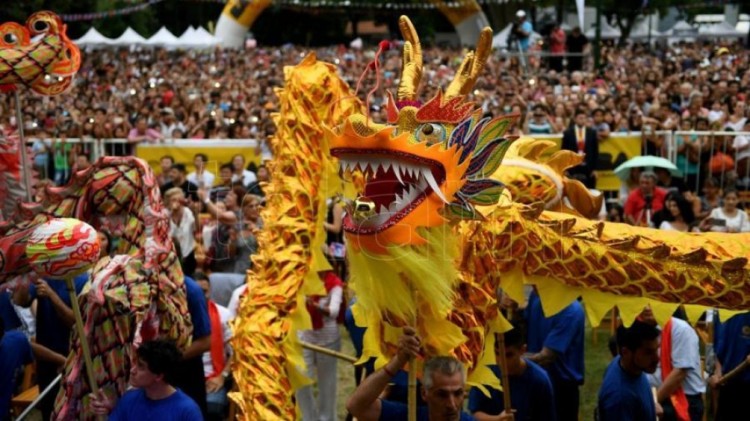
x,y
10,38
40,26
431,133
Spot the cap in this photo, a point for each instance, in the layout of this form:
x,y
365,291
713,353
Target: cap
x,y
722,50
520,14
167,110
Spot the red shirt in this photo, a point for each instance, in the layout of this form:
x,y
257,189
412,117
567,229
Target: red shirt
x,y
636,204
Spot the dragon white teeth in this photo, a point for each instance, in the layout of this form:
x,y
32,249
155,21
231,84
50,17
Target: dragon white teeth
x,y
383,210
427,174
397,170
386,165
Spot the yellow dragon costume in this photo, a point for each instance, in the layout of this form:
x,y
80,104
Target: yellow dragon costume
x,y
434,231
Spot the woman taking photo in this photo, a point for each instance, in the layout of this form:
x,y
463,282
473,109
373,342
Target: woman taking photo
x,y
246,243
727,218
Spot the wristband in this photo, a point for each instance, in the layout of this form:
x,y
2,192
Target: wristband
x,y
388,372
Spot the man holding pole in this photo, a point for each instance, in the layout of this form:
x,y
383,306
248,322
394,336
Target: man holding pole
x,y
530,388
443,390
732,377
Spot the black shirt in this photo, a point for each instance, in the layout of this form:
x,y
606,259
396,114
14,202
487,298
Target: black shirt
x,y
190,189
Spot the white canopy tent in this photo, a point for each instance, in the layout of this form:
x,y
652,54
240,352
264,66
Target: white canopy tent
x,y
641,29
681,31
723,30
92,37
608,31
129,37
501,39
163,38
197,38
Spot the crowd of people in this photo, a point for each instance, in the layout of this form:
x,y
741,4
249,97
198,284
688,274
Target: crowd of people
x,y
152,96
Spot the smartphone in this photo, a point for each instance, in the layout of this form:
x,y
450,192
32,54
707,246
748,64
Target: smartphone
x,y
718,222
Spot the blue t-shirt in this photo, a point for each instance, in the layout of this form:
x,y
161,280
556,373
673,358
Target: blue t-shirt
x,y
524,41
356,333
531,395
50,329
623,397
198,309
8,313
733,345
562,333
135,405
397,411
15,353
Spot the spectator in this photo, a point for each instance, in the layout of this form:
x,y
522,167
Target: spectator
x,y
522,31
182,228
143,133
711,197
644,201
678,377
224,237
577,44
615,213
444,381
582,140
324,312
248,229
169,125
727,218
240,174
201,177
264,176
600,126
218,360
15,354
677,214
82,162
732,349
62,152
688,154
153,395
179,179
106,245
335,248
557,46
531,398
539,123
556,343
166,162
625,394
219,193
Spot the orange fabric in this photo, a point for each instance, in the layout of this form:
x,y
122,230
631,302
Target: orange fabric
x,y
678,398
217,340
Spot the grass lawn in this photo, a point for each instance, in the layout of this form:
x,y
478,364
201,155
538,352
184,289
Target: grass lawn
x,y
596,357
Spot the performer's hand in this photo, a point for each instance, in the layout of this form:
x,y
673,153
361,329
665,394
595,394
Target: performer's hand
x,y
408,345
713,381
202,194
43,290
100,404
659,410
507,415
214,384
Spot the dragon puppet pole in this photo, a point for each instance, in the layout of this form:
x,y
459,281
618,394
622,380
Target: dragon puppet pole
x,y
412,396
500,342
83,339
22,146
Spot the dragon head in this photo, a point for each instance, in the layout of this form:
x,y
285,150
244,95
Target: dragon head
x,y
431,163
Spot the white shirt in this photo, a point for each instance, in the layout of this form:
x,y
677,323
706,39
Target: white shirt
x,y
686,355
204,179
739,222
184,232
208,367
329,333
234,302
247,177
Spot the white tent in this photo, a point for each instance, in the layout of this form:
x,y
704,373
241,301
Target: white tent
x,y
501,39
682,29
163,38
197,38
723,30
129,37
608,31
93,37
641,30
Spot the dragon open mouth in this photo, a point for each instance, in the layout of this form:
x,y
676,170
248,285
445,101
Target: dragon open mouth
x,y
395,183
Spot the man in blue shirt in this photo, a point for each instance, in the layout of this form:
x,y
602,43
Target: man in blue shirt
x,y
732,348
54,319
531,395
153,396
625,394
15,353
522,30
443,383
191,377
556,343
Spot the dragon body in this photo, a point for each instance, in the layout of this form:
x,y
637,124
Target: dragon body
x,y
136,295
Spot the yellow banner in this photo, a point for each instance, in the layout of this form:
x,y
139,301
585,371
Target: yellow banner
x,y
183,151
613,151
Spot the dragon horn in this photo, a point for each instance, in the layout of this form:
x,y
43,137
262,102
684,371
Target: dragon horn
x,y
411,71
471,67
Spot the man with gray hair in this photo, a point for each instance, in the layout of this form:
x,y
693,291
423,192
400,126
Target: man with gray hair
x,y
644,201
443,388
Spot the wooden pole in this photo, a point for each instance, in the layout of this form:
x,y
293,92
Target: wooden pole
x,y
505,382
25,170
412,395
734,372
332,353
82,338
